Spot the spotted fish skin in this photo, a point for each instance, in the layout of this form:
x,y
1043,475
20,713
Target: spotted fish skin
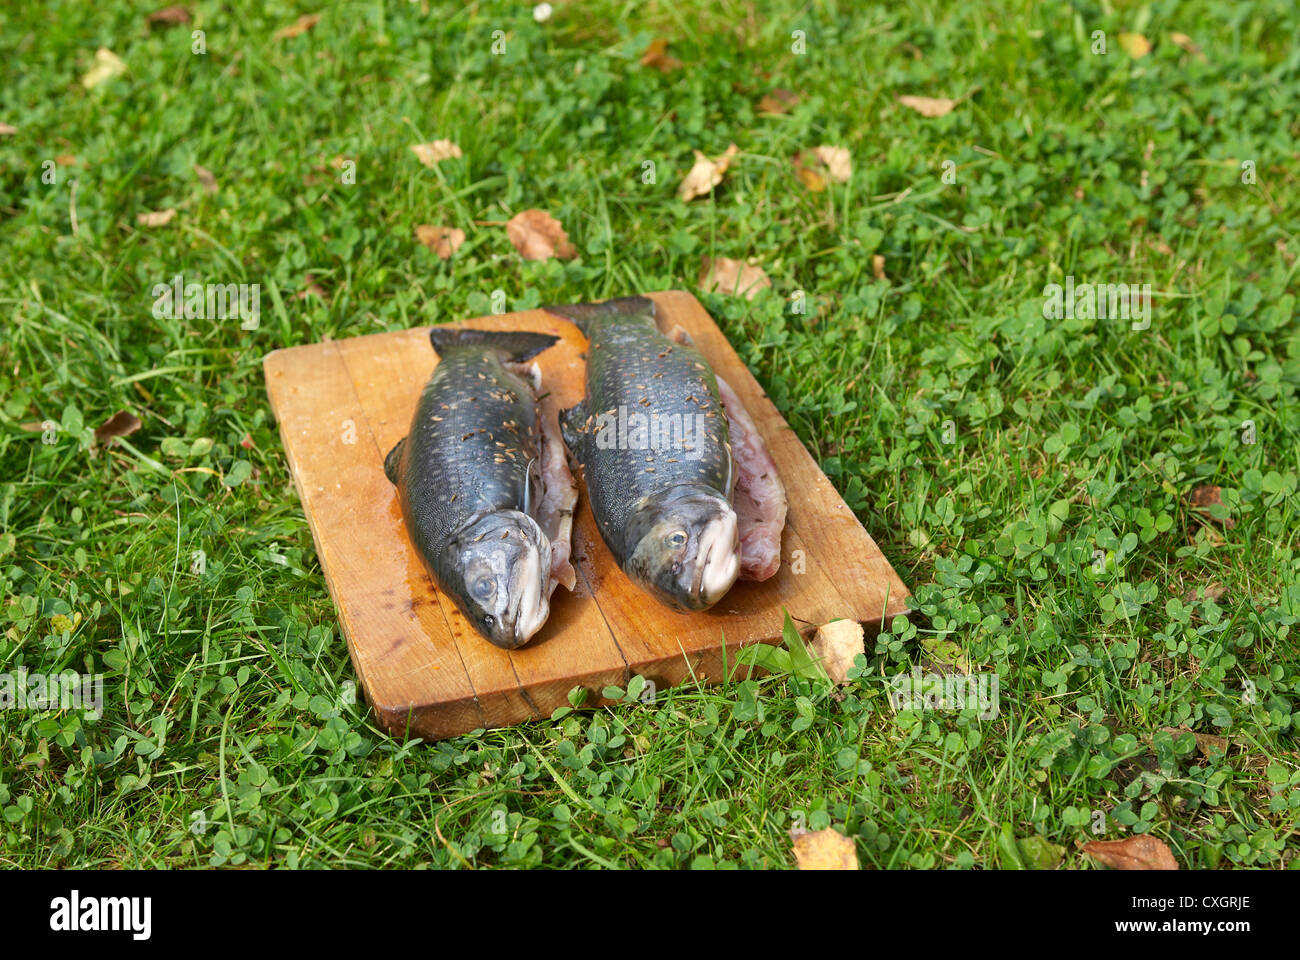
x,y
467,479
633,369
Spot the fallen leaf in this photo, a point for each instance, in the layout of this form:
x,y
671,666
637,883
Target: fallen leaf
x,y
706,174
809,177
431,153
779,100
298,27
878,266
169,16
206,178
837,160
444,241
1211,591
539,236
1207,743
836,644
724,275
1135,45
107,66
1186,43
1206,496
157,218
928,106
247,442
656,56
825,850
1141,852
310,288
66,160
6,130
120,424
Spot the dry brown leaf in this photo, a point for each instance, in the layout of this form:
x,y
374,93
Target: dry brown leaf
x,y
1142,852
724,275
836,644
169,16
107,66
810,178
310,288
825,850
778,101
66,160
928,106
6,130
206,178
837,160
706,174
539,236
431,153
120,424
1206,496
878,266
1135,45
1186,43
656,56
1211,591
444,241
1206,743
157,218
298,27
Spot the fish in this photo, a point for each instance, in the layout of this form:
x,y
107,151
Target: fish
x,y
652,439
476,473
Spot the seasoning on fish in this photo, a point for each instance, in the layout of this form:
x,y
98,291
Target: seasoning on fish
x,y
476,474
652,437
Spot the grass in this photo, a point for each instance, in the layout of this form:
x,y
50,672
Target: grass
x,y
1029,478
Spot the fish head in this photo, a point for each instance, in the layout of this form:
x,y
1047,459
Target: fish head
x,y
501,569
684,546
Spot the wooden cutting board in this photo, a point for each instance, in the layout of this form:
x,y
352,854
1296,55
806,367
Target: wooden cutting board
x,y
341,407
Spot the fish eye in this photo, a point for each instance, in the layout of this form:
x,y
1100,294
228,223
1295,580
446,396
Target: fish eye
x,y
483,588
677,538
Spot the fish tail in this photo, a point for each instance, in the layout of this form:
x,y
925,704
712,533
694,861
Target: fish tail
x,y
582,314
518,345
393,462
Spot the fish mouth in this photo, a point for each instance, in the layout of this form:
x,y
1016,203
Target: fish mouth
x,y
717,562
531,605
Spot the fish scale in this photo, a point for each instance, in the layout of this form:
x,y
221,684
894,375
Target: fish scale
x,y
632,365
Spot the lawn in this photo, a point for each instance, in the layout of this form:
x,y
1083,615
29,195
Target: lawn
x,y
1103,513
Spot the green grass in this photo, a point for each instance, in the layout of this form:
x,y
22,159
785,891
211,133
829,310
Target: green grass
x,y
991,453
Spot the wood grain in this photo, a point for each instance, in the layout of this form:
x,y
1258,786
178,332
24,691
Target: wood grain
x,y
341,407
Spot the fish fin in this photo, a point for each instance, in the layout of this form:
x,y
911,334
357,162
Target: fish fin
x,y
571,421
517,345
582,314
393,462
678,334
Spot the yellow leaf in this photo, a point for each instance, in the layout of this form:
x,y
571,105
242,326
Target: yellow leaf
x,y
431,153
837,160
107,66
724,275
878,266
810,178
706,174
444,241
1135,45
836,644
825,850
1186,43
928,106
156,218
